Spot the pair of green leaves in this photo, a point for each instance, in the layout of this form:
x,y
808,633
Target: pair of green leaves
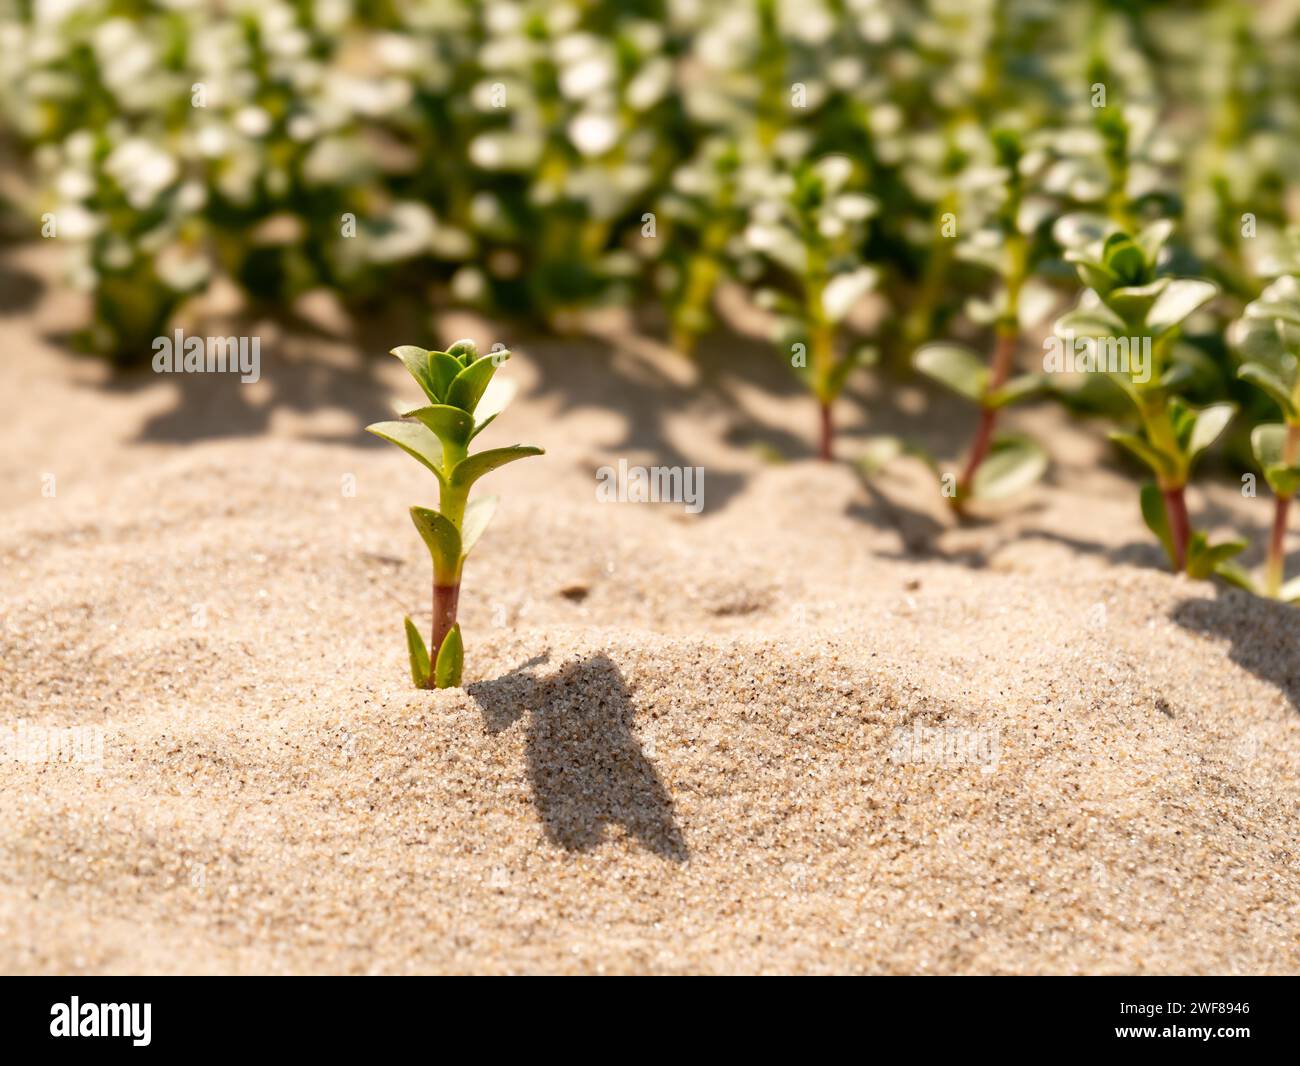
x,y
1121,270
1204,560
1014,461
960,369
1121,261
450,663
1194,430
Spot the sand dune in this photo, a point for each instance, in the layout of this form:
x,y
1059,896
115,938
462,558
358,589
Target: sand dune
x,y
816,728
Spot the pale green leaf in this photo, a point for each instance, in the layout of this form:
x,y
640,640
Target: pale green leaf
x,y
477,516
1157,520
441,538
443,369
1017,389
468,387
1203,559
1235,575
955,366
1088,322
1180,298
469,470
1268,441
416,361
1210,422
414,439
1013,463
1156,460
446,422
451,660
1263,377
1153,237
496,397
419,655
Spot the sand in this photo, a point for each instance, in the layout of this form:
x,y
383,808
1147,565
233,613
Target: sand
x,y
818,727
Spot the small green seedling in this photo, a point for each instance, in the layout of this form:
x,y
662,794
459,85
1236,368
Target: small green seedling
x,y
1131,312
702,213
463,401
813,229
1268,338
1014,461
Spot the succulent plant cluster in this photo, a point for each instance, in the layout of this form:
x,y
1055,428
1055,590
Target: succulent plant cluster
x,y
902,184
463,400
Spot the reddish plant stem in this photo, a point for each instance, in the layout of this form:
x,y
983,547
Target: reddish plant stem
x,y
824,451
1003,356
1277,545
1275,568
445,600
979,448
1180,528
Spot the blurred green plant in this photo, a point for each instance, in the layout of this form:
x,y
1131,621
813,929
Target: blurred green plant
x,y
538,159
809,225
463,401
1267,337
1015,460
1130,310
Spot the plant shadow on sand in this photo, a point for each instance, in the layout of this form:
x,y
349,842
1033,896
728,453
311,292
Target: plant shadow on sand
x,y
1264,635
585,764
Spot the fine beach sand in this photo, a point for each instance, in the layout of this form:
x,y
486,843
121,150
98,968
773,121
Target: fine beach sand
x,y
673,750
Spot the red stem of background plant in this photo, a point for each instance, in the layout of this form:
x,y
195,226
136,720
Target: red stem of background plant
x,y
1003,356
1277,546
1180,528
824,448
445,600
1275,568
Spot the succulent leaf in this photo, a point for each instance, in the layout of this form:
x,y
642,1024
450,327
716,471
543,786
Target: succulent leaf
x,y
469,385
446,422
496,397
1263,377
451,660
1235,575
1268,442
955,366
1014,463
443,368
1159,463
417,440
1210,422
477,516
1017,389
1153,514
416,361
1203,558
468,471
419,655
1179,299
442,539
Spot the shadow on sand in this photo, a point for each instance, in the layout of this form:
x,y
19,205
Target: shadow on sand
x,y
586,766
1264,634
